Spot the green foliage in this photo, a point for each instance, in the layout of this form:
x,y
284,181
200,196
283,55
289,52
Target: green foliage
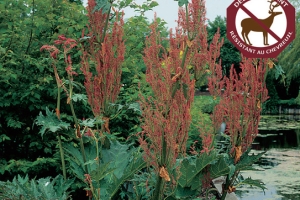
x,y
251,182
288,60
103,5
44,188
27,167
220,168
182,2
224,164
50,122
289,102
116,165
202,107
271,105
138,8
248,160
204,103
191,170
27,84
279,72
141,186
26,77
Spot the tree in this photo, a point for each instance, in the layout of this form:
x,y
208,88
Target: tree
x,y
26,82
289,60
230,55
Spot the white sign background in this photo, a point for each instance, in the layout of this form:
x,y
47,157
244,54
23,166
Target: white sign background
x,y
260,8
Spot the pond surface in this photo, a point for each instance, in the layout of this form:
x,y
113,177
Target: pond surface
x,y
279,168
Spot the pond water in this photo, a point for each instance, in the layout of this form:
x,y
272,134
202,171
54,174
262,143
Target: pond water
x,y
279,168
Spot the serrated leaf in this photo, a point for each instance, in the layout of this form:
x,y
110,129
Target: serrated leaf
x,y
102,4
278,71
90,162
135,107
101,172
118,157
79,97
50,122
253,182
135,163
191,167
88,122
248,160
219,169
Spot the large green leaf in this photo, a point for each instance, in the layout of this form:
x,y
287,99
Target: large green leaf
x,y
101,172
124,161
191,167
103,5
135,164
117,164
117,156
219,169
253,182
182,2
41,189
183,193
50,122
247,160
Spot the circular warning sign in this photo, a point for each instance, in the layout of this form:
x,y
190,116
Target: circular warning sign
x,y
261,28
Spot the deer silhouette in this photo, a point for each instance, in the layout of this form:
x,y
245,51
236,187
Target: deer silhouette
x,y
250,24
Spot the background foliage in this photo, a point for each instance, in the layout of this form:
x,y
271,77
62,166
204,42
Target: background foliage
x,y
27,87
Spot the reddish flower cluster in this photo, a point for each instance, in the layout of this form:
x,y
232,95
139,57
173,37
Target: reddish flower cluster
x,y
240,102
68,44
53,50
101,60
167,114
203,56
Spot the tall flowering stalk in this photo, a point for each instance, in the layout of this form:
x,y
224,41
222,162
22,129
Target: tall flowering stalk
x,y
204,56
241,96
167,114
171,74
67,44
101,61
240,103
192,23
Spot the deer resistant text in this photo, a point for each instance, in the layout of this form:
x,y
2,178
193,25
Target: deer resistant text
x,y
241,44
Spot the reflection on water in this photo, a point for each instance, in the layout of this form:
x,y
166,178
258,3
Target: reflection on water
x,y
282,176
276,139
279,167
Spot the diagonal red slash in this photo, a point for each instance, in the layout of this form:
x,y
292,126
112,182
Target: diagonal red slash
x,y
260,23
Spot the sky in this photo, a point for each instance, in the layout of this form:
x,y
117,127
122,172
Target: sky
x,y
167,10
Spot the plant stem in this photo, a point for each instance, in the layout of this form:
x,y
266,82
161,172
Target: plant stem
x,y
184,56
61,150
158,188
106,25
76,121
62,157
224,192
